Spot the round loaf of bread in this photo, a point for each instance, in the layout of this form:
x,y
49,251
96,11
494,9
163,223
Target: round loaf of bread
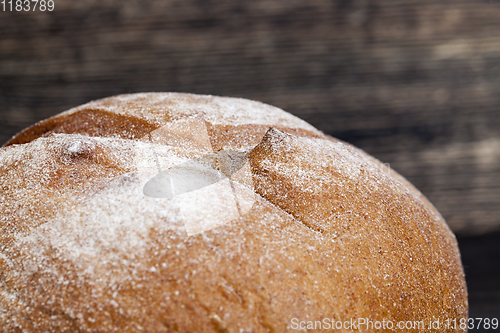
x,y
168,212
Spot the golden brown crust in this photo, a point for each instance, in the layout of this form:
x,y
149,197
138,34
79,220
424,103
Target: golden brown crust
x,y
92,122
133,116
237,137
375,218
330,235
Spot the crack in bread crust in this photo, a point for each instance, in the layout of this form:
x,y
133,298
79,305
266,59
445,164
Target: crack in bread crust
x,y
330,234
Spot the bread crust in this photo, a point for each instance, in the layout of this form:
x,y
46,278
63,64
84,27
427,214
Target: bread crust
x,y
331,234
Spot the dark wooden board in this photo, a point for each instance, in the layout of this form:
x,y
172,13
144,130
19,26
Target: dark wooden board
x,y
480,257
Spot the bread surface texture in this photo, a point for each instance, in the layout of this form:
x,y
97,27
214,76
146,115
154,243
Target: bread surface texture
x,y
327,230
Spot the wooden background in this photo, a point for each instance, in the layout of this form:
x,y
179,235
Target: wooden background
x,y
414,83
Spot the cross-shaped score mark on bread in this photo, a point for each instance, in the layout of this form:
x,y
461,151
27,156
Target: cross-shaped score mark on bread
x,y
211,188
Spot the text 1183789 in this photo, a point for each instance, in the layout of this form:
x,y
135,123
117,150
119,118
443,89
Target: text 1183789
x,y
27,5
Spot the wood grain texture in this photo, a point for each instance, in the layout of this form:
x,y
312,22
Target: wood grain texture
x,y
480,258
416,84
